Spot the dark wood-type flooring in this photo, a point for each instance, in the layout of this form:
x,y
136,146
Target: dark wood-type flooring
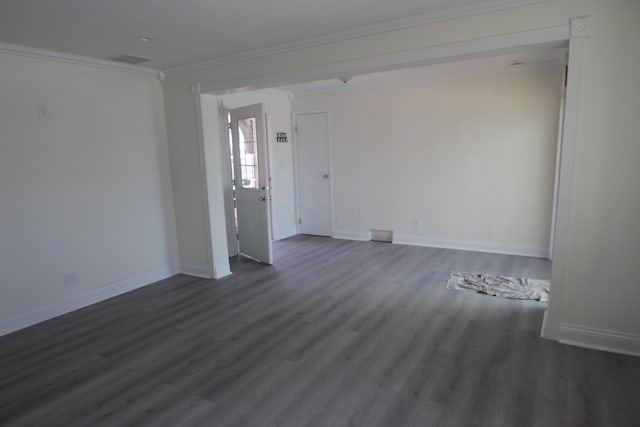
x,y
337,333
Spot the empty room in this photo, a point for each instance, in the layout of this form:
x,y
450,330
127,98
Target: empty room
x,y
284,213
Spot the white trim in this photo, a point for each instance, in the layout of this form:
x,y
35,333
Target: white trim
x,y
600,339
352,235
556,175
331,174
227,184
544,322
297,169
580,28
75,302
291,233
50,55
468,245
269,192
385,26
220,273
195,90
500,44
203,272
445,75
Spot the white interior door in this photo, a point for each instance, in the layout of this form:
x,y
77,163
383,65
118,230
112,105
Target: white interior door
x,y
252,182
314,180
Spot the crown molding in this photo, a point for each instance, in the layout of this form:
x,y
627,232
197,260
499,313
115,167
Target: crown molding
x,y
381,27
504,43
68,58
446,75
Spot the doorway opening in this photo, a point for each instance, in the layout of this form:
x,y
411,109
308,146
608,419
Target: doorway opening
x,y
249,169
559,36
250,196
458,155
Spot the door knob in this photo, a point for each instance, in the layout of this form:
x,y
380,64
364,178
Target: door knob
x,y
326,175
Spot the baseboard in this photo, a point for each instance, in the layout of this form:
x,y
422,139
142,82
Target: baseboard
x,y
600,339
543,329
287,234
467,245
219,273
41,314
196,270
351,235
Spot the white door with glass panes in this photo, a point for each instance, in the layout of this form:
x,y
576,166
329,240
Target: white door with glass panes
x,y
249,138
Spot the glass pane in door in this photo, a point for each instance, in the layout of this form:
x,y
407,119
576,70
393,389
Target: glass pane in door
x,y
247,138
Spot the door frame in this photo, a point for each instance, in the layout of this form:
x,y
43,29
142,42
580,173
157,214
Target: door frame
x,y
264,180
228,178
296,165
556,175
575,32
229,202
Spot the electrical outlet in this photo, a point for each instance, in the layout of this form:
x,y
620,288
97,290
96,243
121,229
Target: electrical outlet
x,y
70,279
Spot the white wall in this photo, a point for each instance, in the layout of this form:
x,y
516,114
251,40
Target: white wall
x,y
182,132
601,286
467,161
86,189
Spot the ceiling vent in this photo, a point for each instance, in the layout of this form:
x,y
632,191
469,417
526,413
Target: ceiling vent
x,y
129,59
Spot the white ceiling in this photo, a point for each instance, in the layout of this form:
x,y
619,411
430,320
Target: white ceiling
x,y
191,31
525,58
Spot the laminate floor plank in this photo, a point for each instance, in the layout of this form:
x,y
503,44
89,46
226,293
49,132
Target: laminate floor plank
x,y
335,333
